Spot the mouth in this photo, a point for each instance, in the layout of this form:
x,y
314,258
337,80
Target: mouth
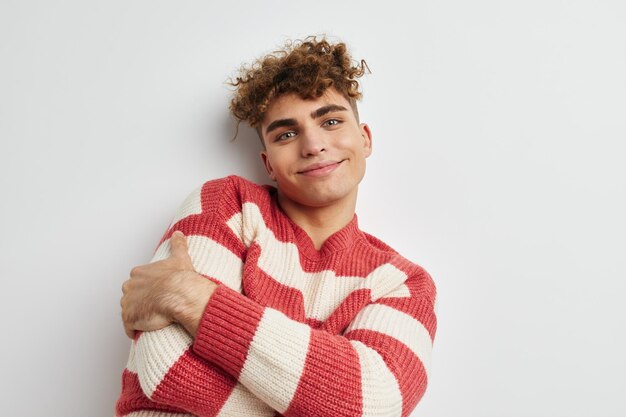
x,y
320,168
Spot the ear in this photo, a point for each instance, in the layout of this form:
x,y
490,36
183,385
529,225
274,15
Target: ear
x,y
367,138
267,164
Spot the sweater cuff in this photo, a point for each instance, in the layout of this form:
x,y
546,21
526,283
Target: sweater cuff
x,y
226,329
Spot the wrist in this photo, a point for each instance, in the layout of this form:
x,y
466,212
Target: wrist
x,y
194,297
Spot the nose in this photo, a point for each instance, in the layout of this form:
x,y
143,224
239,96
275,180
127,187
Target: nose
x,y
312,144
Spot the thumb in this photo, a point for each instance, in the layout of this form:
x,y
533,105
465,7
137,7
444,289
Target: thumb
x,y
178,241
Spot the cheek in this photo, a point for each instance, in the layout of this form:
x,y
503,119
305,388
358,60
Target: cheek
x,y
281,167
359,166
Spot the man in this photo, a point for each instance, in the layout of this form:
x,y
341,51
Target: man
x,y
302,314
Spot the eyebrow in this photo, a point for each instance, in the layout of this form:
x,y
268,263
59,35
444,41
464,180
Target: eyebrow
x,y
314,115
280,123
327,109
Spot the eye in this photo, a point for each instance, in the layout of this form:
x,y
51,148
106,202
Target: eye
x,y
285,136
331,122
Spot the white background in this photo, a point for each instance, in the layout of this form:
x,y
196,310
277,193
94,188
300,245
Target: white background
x,y
498,166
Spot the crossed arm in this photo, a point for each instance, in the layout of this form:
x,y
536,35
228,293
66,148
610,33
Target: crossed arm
x,y
227,355
165,292
161,308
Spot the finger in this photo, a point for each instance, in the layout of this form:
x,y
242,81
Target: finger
x,y
136,271
130,332
178,241
128,328
125,287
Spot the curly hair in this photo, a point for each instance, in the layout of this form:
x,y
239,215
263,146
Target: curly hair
x,y
305,67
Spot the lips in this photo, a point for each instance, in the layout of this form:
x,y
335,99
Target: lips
x,y
320,168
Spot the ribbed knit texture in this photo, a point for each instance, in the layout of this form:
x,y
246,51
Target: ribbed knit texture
x,y
346,330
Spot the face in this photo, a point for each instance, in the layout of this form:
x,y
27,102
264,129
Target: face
x,y
315,149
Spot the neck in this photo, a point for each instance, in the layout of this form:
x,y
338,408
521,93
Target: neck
x,y
320,222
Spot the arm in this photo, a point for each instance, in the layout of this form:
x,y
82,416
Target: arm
x,y
193,385
378,366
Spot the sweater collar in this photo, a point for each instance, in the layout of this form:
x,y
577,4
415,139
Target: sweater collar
x,y
339,240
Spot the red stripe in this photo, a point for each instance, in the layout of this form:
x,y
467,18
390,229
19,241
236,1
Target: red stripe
x,y
200,225
220,196
344,313
195,385
344,268
226,329
265,290
401,361
421,285
330,384
420,309
133,398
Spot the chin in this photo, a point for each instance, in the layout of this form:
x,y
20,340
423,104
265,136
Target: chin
x,y
326,197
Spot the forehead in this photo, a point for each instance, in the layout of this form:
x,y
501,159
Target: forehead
x,y
291,105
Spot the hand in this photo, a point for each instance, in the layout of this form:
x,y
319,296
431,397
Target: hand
x,y
165,292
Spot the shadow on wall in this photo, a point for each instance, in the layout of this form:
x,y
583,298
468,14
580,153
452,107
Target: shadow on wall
x,y
242,154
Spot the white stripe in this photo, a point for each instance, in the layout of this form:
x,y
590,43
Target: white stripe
x,y
235,223
380,388
131,364
401,292
242,403
383,280
276,358
191,205
400,326
154,413
158,351
209,258
322,291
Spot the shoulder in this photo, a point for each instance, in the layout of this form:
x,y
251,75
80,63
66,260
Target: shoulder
x,y
229,184
228,194
418,281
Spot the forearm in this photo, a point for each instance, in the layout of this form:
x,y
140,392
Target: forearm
x,y
378,364
191,386
164,374
133,401
190,302
168,371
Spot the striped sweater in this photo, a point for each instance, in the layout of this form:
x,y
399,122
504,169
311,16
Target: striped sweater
x,y
345,330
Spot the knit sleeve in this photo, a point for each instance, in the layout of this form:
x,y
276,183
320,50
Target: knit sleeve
x,y
378,366
164,377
